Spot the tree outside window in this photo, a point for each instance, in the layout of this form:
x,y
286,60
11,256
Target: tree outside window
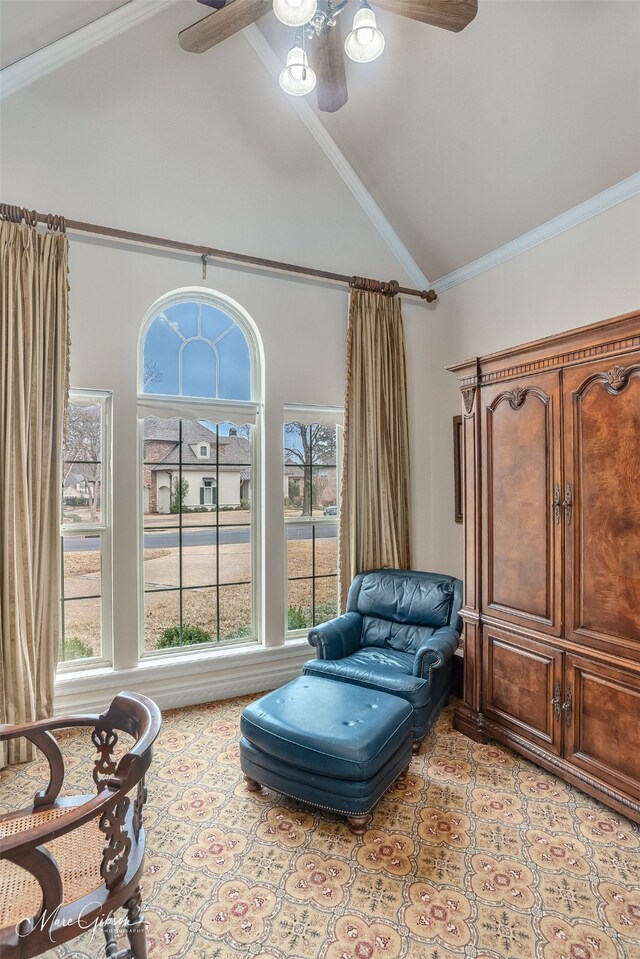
x,y
311,521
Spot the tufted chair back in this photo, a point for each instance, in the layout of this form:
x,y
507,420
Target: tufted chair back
x,y
402,608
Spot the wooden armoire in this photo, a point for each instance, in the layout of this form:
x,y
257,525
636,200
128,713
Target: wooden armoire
x,y
551,484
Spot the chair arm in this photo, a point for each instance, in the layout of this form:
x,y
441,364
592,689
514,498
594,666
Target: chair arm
x,y
436,651
51,829
338,638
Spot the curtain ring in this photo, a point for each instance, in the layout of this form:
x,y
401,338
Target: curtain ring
x,y
56,224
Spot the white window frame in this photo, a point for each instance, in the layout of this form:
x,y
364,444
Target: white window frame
x,y
327,415
215,411
104,399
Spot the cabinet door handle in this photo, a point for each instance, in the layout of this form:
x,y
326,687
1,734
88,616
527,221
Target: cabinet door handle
x,y
557,700
555,503
567,503
567,707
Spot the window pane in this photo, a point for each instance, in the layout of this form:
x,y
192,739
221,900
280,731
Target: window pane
x,y
214,322
199,534
326,549
310,491
183,318
234,554
160,373
83,435
235,612
82,592
161,560
299,550
235,366
199,554
325,599
82,493
312,551
82,478
194,348
199,369
300,605
82,565
310,468
82,629
324,485
199,616
161,620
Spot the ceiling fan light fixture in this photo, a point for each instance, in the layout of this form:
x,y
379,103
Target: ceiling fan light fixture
x,y
297,78
365,42
295,13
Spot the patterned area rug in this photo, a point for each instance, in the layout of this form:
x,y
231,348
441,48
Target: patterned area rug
x,y
477,854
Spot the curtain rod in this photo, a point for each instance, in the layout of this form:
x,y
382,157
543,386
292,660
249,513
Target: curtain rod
x,y
32,218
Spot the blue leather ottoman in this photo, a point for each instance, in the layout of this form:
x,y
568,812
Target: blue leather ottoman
x,y
333,745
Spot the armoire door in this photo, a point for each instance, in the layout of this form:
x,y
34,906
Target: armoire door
x,y
522,531
522,682
602,504
601,708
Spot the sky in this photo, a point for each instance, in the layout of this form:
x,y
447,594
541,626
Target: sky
x,y
207,343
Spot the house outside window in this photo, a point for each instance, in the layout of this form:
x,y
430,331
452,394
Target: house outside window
x,y
199,405
85,592
311,514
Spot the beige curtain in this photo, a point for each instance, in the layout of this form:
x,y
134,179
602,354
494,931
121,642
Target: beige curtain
x,y
374,517
34,351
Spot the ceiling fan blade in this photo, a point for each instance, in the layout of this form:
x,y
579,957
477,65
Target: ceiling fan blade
x,y
328,62
234,16
448,14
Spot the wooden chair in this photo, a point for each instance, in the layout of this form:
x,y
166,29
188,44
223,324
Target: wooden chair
x,y
68,862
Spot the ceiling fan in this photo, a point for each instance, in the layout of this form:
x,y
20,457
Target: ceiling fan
x,y
318,21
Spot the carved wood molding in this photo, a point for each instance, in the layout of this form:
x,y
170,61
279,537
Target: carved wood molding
x,y
115,857
468,396
617,378
105,741
614,380
517,397
553,362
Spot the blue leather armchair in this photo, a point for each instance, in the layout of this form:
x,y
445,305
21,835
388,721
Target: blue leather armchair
x,y
398,635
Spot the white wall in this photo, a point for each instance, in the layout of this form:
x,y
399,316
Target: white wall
x,y
140,136
584,275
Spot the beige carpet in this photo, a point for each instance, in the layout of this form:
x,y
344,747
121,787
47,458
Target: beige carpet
x,y
477,855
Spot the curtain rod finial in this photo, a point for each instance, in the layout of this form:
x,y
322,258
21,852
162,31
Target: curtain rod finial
x,y
428,295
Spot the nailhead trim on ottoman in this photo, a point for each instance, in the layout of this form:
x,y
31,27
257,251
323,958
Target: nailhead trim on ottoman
x,y
334,745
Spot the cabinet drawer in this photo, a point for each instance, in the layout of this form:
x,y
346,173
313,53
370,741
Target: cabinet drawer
x,y
523,686
603,735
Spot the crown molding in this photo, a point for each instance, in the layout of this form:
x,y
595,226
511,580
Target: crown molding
x,y
41,62
340,163
624,190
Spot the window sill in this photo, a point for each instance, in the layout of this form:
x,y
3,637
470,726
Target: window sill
x,y
185,680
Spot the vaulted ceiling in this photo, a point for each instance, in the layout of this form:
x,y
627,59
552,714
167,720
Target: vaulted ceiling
x,y
465,141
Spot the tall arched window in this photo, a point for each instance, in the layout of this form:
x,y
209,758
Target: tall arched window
x,y
199,400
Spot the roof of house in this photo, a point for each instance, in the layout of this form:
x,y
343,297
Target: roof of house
x,y
232,451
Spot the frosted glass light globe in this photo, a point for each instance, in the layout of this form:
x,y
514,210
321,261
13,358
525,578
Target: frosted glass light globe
x,y
365,42
297,78
295,13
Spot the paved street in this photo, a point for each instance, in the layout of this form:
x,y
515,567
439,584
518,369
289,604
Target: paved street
x,y
168,538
